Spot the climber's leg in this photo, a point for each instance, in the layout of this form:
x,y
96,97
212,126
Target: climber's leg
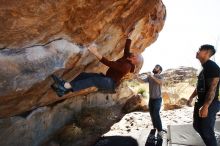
x,y
82,76
96,80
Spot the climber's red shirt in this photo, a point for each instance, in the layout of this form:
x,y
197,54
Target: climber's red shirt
x,y
118,69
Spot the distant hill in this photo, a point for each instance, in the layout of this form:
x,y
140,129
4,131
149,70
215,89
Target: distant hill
x,y
176,75
180,74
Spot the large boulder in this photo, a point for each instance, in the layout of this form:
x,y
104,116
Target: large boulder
x,y
39,38
87,117
135,103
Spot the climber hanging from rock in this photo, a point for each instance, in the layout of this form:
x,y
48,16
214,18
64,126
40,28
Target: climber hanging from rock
x,y
117,71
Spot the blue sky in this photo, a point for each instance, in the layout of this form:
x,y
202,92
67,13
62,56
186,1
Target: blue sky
x,y
189,24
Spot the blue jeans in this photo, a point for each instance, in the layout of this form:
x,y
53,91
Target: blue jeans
x,y
86,80
154,108
205,126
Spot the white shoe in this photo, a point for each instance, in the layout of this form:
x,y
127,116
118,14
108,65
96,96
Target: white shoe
x,y
161,134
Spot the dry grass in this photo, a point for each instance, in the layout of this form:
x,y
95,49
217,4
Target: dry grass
x,y
139,88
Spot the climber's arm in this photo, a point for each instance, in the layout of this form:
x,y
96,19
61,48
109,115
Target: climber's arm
x,y
113,64
94,51
128,42
127,48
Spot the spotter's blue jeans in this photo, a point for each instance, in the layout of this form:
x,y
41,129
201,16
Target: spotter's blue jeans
x,y
154,108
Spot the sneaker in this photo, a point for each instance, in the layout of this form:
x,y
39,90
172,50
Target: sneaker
x,y
160,134
58,80
58,91
58,86
151,139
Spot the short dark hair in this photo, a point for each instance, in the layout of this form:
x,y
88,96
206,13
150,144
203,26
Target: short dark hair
x,y
160,67
208,47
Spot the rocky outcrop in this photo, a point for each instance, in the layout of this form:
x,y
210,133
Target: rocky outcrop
x,y
40,38
135,103
80,120
179,84
179,74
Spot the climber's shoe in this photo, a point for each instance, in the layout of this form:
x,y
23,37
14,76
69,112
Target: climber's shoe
x,y
58,91
58,80
58,86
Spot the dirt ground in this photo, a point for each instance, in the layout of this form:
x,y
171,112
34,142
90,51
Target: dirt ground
x,y
135,127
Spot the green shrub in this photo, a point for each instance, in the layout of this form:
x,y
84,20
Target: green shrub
x,y
141,91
